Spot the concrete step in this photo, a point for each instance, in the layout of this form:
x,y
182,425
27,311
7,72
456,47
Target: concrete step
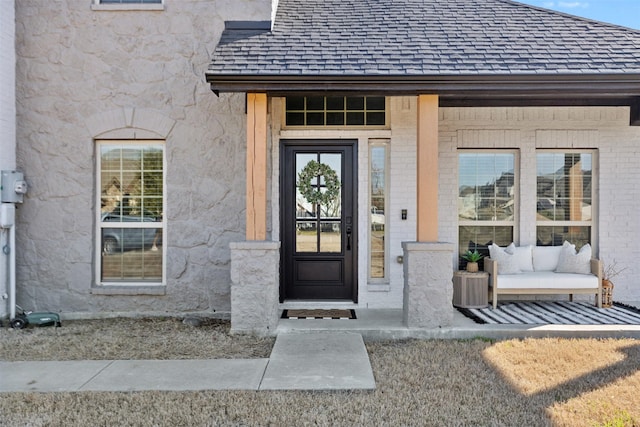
x,y
318,361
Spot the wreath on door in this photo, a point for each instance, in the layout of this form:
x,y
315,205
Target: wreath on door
x,y
314,195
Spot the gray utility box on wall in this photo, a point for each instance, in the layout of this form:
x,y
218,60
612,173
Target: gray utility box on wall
x,y
13,187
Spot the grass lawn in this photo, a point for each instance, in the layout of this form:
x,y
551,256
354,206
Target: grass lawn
x,y
530,382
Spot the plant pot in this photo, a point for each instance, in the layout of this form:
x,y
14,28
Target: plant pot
x,y
607,294
472,267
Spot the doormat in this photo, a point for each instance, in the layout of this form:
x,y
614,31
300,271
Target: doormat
x,y
554,313
318,314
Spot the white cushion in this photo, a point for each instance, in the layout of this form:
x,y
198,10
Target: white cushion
x,y
545,258
493,249
507,261
572,262
524,256
547,280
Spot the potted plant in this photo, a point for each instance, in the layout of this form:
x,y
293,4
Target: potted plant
x,y
609,271
472,258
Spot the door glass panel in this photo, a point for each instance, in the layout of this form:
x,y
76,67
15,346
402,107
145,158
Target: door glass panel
x,y
333,209
304,209
306,236
330,237
313,232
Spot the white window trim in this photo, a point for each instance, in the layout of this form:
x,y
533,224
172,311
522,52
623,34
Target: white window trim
x,y
517,197
595,173
98,223
98,6
516,186
387,163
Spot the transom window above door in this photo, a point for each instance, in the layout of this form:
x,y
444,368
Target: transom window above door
x,y
330,111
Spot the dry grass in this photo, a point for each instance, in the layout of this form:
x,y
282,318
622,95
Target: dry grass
x,y
166,338
532,382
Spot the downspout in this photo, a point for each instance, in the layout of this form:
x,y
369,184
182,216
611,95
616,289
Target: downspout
x,y
8,212
12,272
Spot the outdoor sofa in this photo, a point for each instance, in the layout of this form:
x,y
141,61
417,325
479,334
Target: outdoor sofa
x,y
528,270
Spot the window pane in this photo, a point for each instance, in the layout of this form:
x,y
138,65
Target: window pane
x,y
335,103
355,103
377,203
315,103
375,103
556,235
486,187
355,119
564,193
486,194
295,103
330,237
295,119
132,194
479,238
130,1
315,119
335,119
335,111
306,236
333,209
375,118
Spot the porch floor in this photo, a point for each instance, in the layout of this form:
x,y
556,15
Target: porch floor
x,y
387,324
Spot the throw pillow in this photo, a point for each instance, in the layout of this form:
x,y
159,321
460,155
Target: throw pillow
x,y
545,258
507,262
493,248
524,255
572,262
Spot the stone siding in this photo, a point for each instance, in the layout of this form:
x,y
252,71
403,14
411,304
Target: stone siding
x,y
84,74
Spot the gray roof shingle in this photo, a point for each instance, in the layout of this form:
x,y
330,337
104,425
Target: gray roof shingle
x,y
425,38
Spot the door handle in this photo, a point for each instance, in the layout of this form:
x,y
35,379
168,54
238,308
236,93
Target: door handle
x,y
348,238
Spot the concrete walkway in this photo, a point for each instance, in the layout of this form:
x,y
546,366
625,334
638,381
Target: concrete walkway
x,y
308,354
310,361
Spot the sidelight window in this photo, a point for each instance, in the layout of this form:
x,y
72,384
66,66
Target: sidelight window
x,y
378,200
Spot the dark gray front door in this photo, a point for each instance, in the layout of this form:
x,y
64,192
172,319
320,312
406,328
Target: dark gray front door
x,y
318,208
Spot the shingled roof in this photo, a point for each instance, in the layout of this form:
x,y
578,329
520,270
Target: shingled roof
x,y
441,46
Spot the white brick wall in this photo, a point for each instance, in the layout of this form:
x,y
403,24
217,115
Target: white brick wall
x,y
605,129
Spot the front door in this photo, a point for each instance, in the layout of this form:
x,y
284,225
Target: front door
x,y
318,227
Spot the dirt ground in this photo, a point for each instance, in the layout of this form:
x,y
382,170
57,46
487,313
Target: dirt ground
x,y
530,382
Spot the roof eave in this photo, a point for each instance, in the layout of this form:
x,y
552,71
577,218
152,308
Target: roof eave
x,y
537,86
457,90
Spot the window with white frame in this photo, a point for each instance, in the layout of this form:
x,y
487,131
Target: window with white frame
x,y
130,247
378,203
486,200
129,1
564,197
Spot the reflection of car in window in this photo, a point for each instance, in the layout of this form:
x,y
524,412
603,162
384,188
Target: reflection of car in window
x,y
124,239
